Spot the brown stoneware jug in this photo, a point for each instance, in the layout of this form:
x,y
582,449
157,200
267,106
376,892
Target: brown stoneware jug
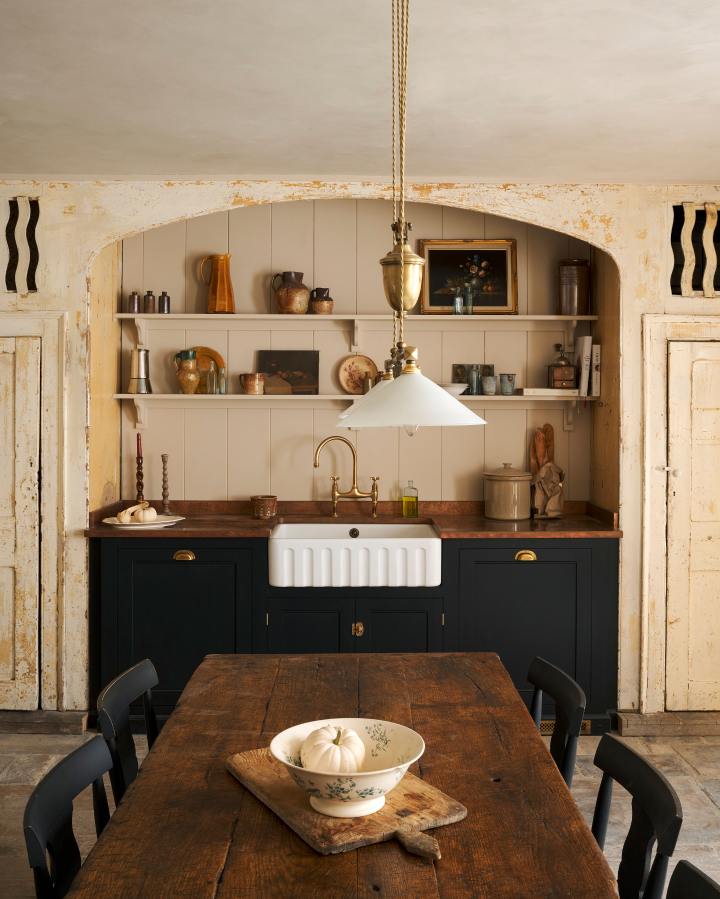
x,y
220,293
291,295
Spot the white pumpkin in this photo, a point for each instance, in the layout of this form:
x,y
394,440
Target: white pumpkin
x,y
145,515
334,749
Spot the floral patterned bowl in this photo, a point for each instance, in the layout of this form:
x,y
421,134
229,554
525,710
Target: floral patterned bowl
x,y
390,749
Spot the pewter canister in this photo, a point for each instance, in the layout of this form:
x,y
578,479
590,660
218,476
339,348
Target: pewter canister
x,y
574,287
139,372
507,493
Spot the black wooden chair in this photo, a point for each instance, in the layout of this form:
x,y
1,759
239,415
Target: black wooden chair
x,y
52,849
689,882
569,700
114,721
656,818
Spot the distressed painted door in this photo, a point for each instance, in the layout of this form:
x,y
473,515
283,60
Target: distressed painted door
x,y
19,521
693,532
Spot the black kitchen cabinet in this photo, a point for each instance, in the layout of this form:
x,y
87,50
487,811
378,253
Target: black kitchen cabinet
x,y
349,620
173,603
148,601
552,598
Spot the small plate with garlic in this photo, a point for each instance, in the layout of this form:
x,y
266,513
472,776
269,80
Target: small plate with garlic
x,y
143,516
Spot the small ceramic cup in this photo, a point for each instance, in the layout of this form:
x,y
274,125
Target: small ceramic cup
x,y
507,385
488,385
252,383
263,506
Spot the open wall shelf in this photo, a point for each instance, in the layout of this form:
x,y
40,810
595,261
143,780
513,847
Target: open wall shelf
x,y
144,402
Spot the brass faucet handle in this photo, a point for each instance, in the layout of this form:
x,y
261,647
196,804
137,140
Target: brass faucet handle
x,y
375,493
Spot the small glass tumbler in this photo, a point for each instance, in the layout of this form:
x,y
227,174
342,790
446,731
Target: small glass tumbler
x,y
507,385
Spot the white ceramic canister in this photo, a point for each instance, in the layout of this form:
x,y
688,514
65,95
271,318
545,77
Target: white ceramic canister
x,y
507,493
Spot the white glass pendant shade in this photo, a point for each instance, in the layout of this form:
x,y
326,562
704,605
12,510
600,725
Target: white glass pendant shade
x,y
410,401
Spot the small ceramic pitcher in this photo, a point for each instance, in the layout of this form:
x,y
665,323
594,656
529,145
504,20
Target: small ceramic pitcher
x,y
291,294
321,303
187,371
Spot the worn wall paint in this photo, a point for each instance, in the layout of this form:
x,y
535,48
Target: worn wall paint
x,y
78,219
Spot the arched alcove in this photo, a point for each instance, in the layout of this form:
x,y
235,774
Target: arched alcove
x,y
337,243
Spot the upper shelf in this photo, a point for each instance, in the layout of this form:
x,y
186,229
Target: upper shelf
x,y
237,321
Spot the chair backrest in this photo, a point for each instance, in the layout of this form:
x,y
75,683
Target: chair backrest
x,y
689,882
114,721
569,700
656,818
52,849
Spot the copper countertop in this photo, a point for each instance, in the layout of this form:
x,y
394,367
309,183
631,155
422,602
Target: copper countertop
x,y
450,525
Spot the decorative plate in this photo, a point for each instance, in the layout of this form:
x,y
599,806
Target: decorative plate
x,y
352,372
162,521
204,354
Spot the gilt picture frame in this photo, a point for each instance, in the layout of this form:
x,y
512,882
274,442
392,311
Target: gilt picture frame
x,y
483,272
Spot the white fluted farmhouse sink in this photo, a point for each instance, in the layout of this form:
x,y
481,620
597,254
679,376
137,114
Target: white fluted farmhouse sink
x,y
354,555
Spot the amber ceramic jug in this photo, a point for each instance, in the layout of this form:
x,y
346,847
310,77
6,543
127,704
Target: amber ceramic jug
x,y
291,295
220,293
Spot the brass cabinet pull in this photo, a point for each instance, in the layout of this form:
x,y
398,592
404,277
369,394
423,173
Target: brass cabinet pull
x,y
184,555
358,629
525,555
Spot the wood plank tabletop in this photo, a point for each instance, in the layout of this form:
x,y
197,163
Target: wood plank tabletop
x,y
186,828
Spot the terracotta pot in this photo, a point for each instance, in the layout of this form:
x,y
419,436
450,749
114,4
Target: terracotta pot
x,y
187,372
291,294
220,295
321,303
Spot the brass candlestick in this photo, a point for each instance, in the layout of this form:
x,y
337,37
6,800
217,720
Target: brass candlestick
x,y
165,489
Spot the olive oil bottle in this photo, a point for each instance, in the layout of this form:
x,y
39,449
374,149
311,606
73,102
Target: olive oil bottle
x,y
410,501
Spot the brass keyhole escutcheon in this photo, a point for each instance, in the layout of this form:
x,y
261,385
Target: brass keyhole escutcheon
x,y
525,555
184,555
358,629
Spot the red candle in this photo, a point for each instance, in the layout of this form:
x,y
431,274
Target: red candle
x,y
139,447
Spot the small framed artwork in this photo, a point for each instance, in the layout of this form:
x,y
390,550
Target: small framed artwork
x,y
290,371
482,272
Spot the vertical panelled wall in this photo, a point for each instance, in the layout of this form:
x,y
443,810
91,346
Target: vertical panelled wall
x,y
230,453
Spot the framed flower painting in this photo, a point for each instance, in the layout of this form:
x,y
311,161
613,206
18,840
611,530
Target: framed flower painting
x,y
482,272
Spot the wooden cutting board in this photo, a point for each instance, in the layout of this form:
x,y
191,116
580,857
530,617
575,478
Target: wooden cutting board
x,y
413,806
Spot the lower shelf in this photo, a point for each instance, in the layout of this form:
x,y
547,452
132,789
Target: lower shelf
x,y
144,402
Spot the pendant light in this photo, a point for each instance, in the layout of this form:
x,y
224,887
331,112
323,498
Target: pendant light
x,y
404,397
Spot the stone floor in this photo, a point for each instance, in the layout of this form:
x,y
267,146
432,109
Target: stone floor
x,y
692,764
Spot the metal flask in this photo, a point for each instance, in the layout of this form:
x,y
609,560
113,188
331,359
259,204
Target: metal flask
x,y
139,372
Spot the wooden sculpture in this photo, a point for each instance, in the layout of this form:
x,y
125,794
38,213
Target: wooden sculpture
x,y
547,476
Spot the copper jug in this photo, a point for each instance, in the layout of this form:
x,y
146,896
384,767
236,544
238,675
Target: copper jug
x,y
220,294
291,294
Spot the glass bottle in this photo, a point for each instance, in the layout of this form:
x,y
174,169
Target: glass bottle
x,y
468,299
410,501
222,381
212,378
458,302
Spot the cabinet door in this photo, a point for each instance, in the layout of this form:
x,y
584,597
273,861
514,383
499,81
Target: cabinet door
x,y
308,623
175,612
403,624
523,609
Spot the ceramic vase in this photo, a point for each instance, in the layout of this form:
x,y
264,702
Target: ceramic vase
x,y
291,295
220,290
187,371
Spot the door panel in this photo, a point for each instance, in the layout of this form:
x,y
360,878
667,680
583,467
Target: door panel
x,y
525,609
19,521
693,527
176,612
309,624
411,624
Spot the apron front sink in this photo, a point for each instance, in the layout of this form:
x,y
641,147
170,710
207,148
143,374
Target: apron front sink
x,y
354,555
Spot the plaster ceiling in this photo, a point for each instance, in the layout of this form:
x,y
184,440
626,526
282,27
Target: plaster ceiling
x,y
516,90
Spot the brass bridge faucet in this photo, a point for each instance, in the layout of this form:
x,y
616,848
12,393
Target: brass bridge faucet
x,y
353,492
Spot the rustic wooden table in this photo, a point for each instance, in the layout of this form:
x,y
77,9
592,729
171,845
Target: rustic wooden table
x,y
186,828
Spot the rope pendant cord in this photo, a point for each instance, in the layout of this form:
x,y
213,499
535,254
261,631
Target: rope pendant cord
x,y
400,27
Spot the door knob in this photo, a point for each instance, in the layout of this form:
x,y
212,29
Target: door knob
x,y
184,555
525,555
358,629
